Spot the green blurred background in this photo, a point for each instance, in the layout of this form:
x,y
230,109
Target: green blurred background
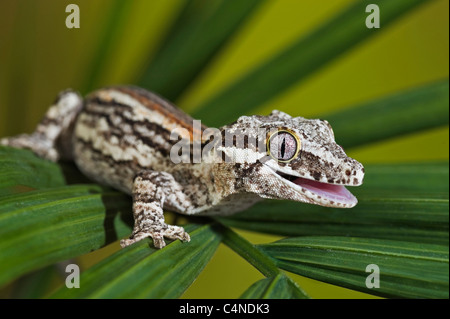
x,y
39,57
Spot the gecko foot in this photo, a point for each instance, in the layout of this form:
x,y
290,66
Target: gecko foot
x,y
171,232
35,142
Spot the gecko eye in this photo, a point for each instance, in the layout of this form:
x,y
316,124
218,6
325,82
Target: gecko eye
x,y
283,146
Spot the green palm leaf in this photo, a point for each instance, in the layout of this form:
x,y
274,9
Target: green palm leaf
x,y
38,228
200,31
278,287
298,61
142,272
20,171
343,261
115,19
418,109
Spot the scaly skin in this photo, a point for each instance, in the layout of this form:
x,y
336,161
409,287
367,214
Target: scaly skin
x,y
123,137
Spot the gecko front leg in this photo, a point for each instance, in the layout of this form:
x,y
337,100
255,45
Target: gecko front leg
x,y
151,191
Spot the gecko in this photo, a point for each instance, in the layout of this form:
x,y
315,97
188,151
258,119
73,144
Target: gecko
x,y
123,137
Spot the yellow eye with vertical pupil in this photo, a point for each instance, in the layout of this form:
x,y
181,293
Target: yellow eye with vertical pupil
x,y
283,146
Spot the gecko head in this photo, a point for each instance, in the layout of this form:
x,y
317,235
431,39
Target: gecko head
x,y
301,161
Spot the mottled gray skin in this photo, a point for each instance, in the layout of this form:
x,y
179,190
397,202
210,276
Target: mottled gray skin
x,y
320,158
121,137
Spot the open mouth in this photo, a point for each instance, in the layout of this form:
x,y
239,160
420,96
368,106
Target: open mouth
x,y
322,193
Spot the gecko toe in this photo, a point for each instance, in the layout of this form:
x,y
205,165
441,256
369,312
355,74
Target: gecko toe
x,y
126,242
171,232
176,232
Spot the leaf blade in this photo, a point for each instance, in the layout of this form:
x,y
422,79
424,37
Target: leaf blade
x,y
21,170
409,270
153,273
406,112
201,29
114,19
297,62
276,283
42,227
277,287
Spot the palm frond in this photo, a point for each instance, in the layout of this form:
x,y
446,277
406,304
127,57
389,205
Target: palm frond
x,y
344,260
298,61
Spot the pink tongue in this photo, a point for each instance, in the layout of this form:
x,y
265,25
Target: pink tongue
x,y
329,191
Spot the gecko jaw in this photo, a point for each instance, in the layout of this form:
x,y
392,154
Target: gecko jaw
x,y
324,194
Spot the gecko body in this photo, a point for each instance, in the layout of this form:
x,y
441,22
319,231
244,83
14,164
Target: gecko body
x,y
123,137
